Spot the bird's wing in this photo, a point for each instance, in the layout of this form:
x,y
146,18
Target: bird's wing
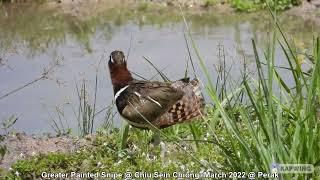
x,y
149,100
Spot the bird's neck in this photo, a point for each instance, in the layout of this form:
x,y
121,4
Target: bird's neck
x,y
120,77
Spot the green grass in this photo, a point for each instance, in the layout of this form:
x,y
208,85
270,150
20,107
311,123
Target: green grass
x,y
269,128
255,5
281,120
105,156
280,127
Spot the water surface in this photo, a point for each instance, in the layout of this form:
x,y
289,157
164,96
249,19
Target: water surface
x,y
33,38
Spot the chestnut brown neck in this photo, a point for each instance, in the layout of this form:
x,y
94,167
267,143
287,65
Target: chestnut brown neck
x,y
120,77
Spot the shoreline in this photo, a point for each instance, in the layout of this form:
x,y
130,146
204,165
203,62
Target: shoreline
x,y
83,10
23,146
308,10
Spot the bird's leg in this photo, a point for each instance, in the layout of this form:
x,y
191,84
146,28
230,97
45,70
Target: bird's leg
x,y
125,136
156,137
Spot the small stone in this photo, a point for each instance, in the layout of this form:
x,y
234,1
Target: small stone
x,y
21,155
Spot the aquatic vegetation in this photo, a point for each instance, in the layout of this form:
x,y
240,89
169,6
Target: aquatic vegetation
x,y
3,149
278,117
8,123
237,135
262,121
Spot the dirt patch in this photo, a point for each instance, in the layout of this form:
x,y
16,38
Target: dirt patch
x,y
21,146
81,8
84,8
309,11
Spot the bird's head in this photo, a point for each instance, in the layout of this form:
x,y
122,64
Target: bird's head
x,y
120,75
117,59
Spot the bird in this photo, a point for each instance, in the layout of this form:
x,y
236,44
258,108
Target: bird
x,y
153,105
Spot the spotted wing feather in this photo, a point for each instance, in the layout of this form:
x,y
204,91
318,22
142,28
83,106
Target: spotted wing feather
x,y
191,105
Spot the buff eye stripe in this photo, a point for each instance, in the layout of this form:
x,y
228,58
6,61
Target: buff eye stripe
x,y
112,59
119,92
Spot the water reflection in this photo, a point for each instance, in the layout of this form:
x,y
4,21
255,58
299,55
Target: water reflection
x,y
32,37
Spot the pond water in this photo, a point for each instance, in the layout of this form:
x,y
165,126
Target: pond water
x,y
33,38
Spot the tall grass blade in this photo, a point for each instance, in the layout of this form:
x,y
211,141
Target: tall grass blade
x,y
163,76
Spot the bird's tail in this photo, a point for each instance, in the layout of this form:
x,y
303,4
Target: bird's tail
x,y
189,107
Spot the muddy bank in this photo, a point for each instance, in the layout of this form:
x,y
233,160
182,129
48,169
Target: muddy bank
x,y
193,4
21,146
82,8
309,10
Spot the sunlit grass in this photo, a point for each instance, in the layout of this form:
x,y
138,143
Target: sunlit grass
x,y
247,128
267,128
280,122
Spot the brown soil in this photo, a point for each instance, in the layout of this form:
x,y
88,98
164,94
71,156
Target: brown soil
x,y
309,10
20,146
84,8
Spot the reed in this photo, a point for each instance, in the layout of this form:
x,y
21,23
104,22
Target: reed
x,y
280,121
